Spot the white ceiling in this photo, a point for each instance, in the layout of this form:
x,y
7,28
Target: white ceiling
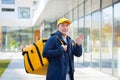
x,y
55,9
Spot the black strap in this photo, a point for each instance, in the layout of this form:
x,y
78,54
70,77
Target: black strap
x,y
28,58
44,40
40,57
61,41
31,66
24,52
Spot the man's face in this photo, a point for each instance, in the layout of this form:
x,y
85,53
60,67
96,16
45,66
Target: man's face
x,y
64,28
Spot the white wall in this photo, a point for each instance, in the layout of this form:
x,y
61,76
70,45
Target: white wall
x,y
11,18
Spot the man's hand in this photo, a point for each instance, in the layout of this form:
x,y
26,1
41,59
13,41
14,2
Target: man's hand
x,y
64,47
79,39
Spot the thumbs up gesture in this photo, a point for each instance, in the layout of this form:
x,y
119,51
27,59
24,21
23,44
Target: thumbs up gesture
x,y
79,39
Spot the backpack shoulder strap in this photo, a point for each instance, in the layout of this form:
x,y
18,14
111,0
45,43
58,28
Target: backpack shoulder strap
x,y
62,42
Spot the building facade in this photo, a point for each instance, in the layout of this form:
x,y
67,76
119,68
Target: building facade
x,y
98,20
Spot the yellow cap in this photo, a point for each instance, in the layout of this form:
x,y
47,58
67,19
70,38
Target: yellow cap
x,y
61,20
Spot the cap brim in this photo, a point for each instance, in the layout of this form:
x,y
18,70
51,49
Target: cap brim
x,y
68,21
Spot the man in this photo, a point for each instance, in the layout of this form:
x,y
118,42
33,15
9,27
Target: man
x,y
61,57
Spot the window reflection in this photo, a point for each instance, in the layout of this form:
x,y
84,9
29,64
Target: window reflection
x,y
47,31
106,40
8,1
71,26
116,39
95,38
87,40
81,30
23,12
0,38
16,38
75,23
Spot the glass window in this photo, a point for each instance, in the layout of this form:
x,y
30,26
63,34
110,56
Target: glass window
x,y
106,40
7,10
81,21
70,14
75,23
0,38
71,26
106,3
23,12
75,16
26,36
116,39
95,5
81,30
44,33
8,1
11,39
87,40
54,27
66,15
95,40
47,30
15,38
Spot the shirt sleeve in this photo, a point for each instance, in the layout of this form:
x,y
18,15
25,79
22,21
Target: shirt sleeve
x,y
77,50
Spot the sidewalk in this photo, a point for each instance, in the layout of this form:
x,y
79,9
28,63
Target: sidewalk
x,y
15,71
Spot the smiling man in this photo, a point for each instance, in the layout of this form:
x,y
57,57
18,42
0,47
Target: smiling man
x,y
61,56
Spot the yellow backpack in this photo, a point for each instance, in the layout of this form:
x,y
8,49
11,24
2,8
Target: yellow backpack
x,y
34,62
